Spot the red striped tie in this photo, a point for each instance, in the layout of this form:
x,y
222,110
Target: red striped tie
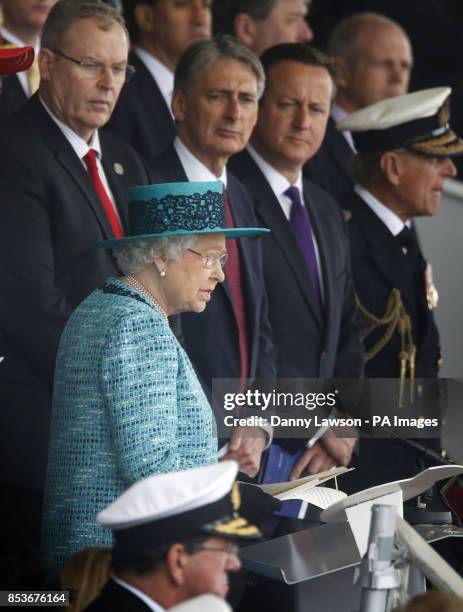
x,y
90,162
233,274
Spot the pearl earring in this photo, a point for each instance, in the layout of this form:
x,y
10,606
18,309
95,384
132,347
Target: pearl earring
x,y
162,273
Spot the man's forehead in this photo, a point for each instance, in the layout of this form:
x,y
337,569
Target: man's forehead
x,y
173,3
292,71
379,38
227,77
292,6
91,28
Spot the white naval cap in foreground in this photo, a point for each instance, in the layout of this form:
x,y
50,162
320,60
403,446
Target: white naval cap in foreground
x,y
179,505
418,122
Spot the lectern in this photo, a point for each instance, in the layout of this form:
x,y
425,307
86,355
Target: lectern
x,y
313,570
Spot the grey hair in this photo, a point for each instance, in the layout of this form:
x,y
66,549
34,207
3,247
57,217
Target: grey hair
x,y
66,13
196,60
132,257
346,41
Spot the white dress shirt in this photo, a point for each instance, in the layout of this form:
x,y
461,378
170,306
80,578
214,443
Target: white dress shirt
x,y
14,40
81,148
279,184
195,170
155,607
338,114
393,222
161,74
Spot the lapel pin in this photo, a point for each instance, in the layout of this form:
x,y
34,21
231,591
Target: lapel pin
x,y
118,168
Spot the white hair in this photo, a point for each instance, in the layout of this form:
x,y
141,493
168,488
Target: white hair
x,y
132,257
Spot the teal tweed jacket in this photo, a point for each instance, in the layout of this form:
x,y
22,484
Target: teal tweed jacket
x,y
126,404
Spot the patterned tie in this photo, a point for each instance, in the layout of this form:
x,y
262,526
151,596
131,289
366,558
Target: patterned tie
x,y
233,274
90,161
299,221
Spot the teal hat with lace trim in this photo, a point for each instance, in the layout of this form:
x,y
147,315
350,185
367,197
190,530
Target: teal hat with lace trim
x,y
178,209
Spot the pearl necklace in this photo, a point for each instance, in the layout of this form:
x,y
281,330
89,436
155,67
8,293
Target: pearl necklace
x,y
132,282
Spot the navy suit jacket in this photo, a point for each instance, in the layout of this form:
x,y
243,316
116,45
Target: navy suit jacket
x,y
211,338
379,266
141,116
330,168
309,343
12,97
50,220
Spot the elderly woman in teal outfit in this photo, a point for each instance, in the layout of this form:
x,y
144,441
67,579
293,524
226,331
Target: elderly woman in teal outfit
x,y
126,400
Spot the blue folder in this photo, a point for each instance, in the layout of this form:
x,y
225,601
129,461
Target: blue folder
x,y
277,468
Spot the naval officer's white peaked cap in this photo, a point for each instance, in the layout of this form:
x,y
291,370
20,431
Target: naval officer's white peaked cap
x,y
179,505
417,122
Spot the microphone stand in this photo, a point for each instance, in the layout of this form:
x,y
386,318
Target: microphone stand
x,y
422,514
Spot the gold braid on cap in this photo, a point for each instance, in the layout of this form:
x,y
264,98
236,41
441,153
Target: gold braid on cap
x,y
443,116
236,525
394,319
235,497
444,145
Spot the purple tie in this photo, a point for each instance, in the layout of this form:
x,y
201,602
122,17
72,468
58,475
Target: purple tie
x,y
299,221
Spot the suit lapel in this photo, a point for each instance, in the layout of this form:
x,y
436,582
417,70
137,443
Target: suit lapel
x,y
380,241
339,149
173,165
117,182
13,88
67,158
383,248
325,251
149,91
246,267
115,597
74,167
269,210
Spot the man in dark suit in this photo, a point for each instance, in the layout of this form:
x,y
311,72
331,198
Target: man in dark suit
x,y
22,25
374,59
217,85
309,283
404,147
161,31
64,187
